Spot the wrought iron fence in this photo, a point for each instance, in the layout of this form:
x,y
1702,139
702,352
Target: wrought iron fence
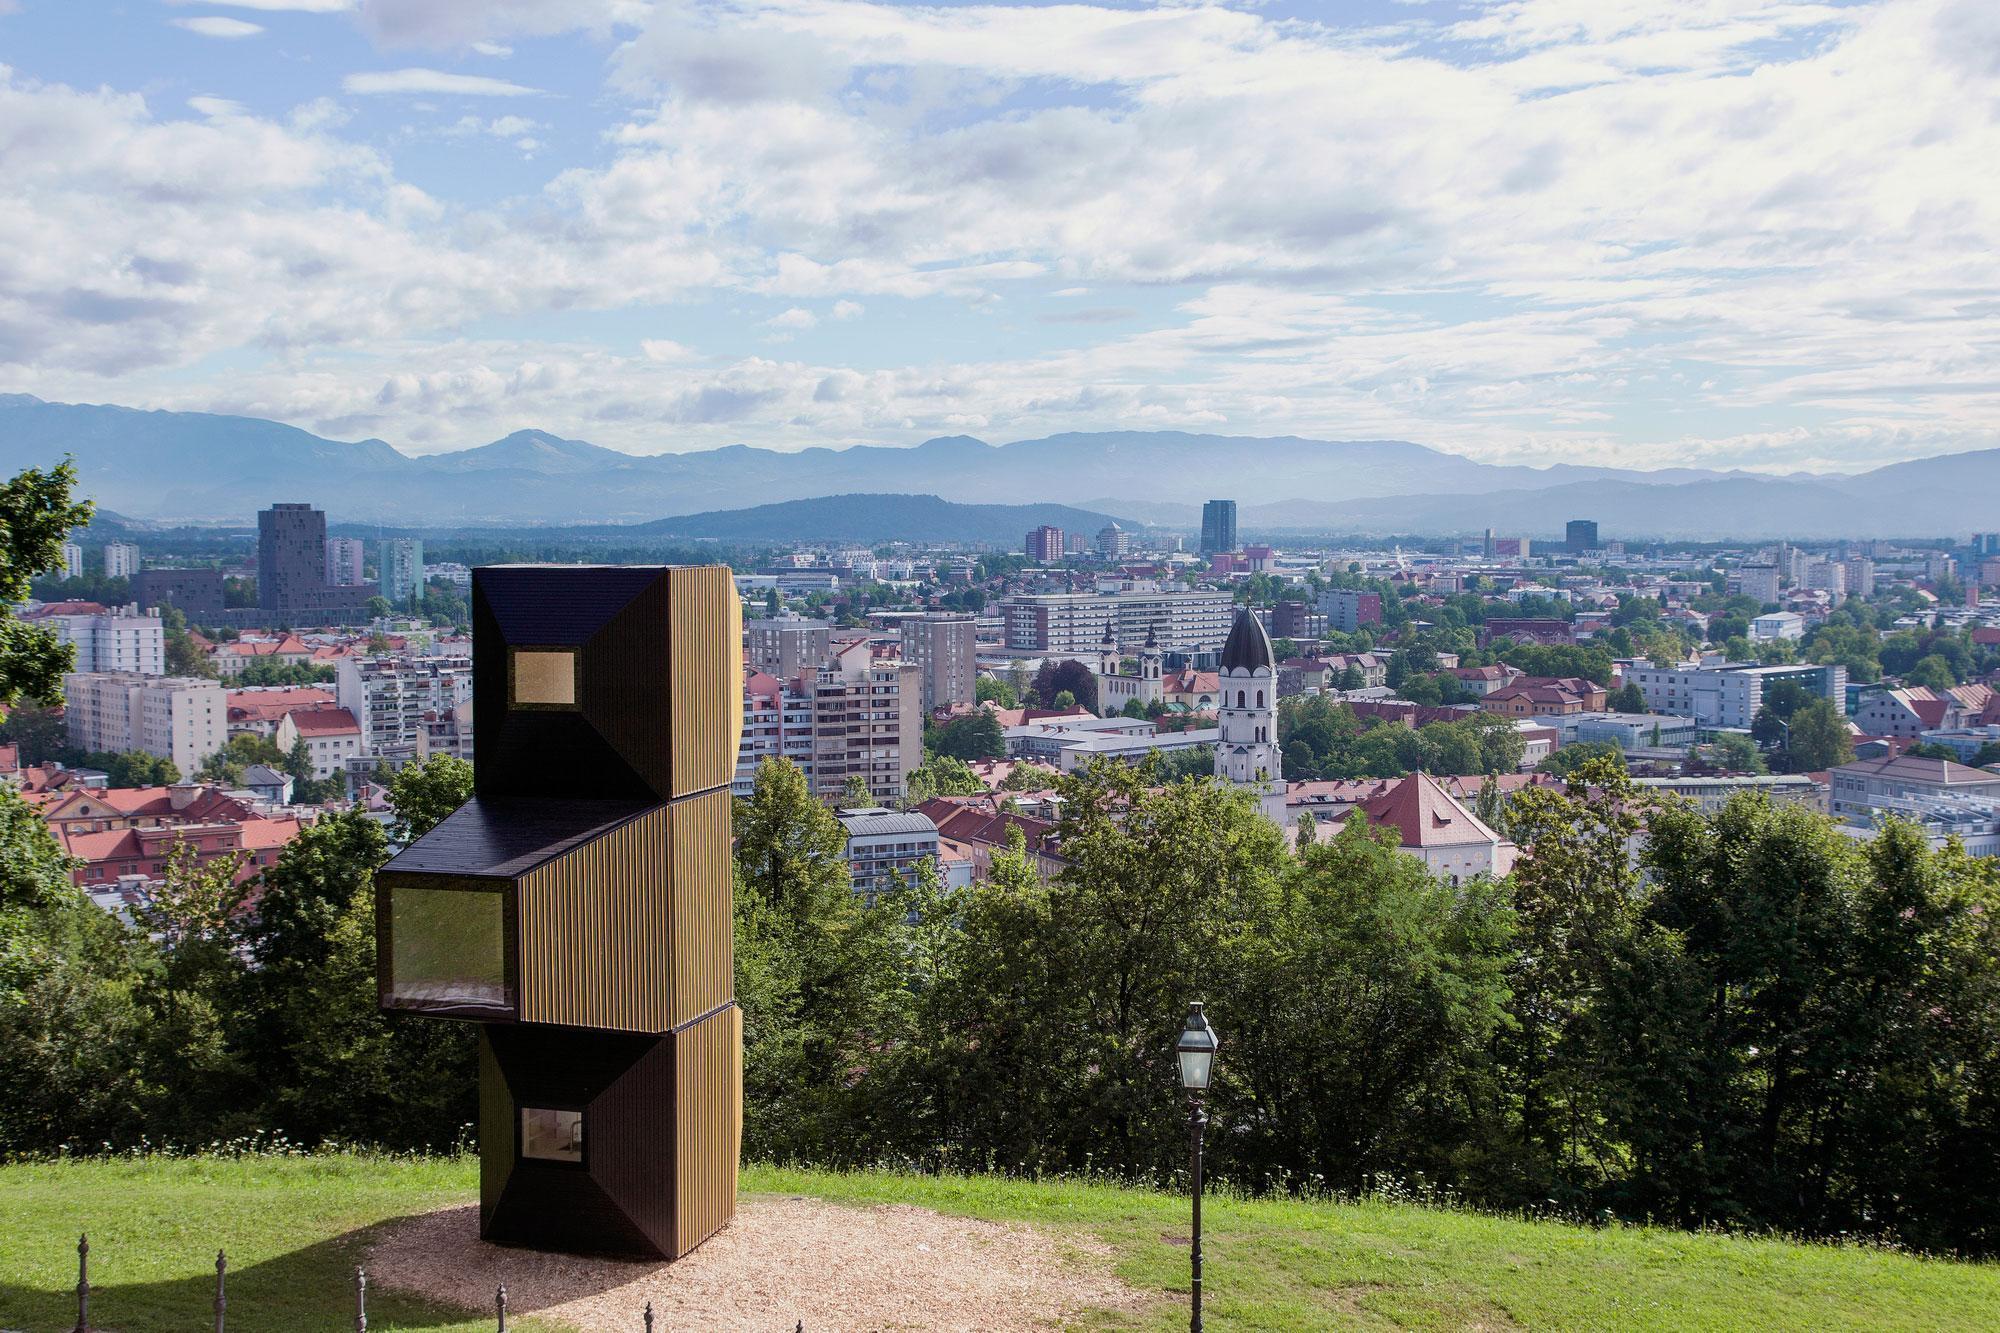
x,y
83,1290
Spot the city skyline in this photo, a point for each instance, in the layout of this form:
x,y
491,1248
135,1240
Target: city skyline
x,y
1753,235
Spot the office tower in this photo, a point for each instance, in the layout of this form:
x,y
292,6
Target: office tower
x,y
1218,527
1580,535
1045,545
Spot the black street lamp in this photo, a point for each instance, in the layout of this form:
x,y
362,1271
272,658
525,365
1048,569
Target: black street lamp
x,y
1196,1050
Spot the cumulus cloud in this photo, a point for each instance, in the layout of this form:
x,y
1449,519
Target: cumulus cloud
x,y
1746,231
440,82
216,25
276,6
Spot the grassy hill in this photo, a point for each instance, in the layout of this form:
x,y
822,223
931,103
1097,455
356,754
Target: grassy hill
x,y
295,1225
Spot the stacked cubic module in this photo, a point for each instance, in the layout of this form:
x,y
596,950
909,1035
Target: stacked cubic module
x,y
578,907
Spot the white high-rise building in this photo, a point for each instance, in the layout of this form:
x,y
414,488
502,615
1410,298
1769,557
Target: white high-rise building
x,y
402,571
345,557
119,639
408,702
121,560
182,718
1246,718
72,560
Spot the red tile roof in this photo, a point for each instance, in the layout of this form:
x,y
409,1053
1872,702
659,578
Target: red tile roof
x,y
1424,814
325,722
270,705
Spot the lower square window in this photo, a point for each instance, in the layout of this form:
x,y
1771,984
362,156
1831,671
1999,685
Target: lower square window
x,y
551,1136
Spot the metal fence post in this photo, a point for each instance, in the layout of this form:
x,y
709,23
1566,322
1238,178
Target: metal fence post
x,y
221,1298
500,1301
82,1284
360,1299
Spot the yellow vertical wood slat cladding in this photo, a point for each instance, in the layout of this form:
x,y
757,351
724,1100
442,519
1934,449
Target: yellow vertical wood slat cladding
x,y
708,1135
595,933
704,963
704,644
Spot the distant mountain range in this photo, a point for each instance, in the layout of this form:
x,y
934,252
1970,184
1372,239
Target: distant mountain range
x,y
867,519
169,466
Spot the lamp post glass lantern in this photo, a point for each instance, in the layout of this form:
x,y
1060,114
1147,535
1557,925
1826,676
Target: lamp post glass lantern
x,y
1196,1050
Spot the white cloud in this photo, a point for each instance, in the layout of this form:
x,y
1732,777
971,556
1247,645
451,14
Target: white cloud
x,y
848,310
796,318
497,50
421,81
1743,230
215,25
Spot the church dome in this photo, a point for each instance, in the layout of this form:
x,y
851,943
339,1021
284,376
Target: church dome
x,y
1248,647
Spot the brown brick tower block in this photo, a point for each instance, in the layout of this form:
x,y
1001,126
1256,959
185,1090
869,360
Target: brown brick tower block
x,y
578,907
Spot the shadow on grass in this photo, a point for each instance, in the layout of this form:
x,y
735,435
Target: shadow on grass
x,y
311,1288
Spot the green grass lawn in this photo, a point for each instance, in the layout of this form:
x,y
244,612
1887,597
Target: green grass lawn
x,y
294,1227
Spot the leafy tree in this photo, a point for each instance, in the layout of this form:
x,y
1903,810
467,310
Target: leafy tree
x,y
379,607
228,764
40,732
1819,738
977,735
348,1070
1028,776
270,671
1067,674
423,793
36,515
133,768
1933,672
994,690
1627,698
1063,702
854,793
815,974
1569,759
941,775
1738,754
1374,988
184,657
1576,895
68,1021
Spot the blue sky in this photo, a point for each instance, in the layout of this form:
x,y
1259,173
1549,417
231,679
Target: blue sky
x,y
1727,233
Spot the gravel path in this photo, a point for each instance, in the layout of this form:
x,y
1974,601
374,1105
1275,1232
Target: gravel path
x,y
782,1259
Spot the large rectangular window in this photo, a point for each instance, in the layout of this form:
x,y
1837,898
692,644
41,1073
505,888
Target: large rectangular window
x,y
543,677
448,951
549,1135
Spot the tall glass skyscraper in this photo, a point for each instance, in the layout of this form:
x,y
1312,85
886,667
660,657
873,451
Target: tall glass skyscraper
x,y
1218,526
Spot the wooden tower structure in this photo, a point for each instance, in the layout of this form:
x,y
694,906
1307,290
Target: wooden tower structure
x,y
578,907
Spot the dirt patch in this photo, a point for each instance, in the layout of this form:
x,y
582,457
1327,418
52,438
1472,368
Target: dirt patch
x,y
781,1260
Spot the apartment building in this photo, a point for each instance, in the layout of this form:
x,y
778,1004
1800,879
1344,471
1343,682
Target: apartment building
x,y
121,560
861,728
777,724
1759,582
402,569
399,701
72,560
1347,610
1073,624
345,557
1728,694
332,737
783,646
116,638
885,847
1045,545
181,718
943,648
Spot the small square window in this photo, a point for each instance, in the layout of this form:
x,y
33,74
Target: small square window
x,y
544,677
549,1135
